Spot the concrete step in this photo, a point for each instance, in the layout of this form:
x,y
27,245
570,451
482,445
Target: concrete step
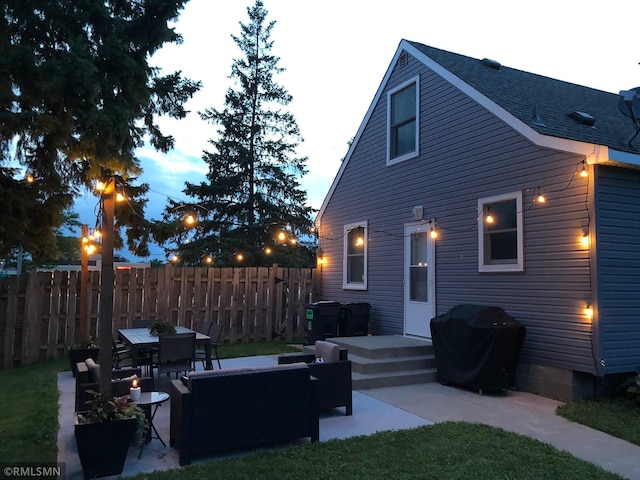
x,y
384,346
387,360
392,379
391,364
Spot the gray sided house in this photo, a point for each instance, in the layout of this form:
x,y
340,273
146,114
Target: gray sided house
x,y
532,186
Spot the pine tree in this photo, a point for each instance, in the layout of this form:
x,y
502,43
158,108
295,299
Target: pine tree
x,y
252,192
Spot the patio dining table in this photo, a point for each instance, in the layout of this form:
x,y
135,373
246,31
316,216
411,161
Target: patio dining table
x,y
140,339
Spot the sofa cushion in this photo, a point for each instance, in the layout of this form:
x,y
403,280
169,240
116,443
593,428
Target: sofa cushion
x,y
327,351
239,371
94,370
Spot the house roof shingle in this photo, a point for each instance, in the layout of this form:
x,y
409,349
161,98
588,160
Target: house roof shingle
x,y
545,104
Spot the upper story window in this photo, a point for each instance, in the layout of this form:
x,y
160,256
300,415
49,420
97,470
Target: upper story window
x,y
500,235
402,122
355,256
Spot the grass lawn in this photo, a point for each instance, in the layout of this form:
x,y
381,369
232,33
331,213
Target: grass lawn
x,y
618,418
450,450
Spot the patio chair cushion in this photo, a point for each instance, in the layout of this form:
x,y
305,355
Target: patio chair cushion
x,y
327,351
94,370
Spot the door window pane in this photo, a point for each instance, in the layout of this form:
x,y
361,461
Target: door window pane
x,y
418,269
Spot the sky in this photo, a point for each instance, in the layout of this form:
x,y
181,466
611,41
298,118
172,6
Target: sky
x,y
336,52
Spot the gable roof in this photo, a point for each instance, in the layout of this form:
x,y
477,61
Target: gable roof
x,y
544,104
545,110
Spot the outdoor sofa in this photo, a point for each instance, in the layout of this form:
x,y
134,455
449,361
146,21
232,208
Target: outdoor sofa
x,y
331,366
242,408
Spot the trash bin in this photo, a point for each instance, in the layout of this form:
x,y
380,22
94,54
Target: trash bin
x,y
322,320
477,347
354,319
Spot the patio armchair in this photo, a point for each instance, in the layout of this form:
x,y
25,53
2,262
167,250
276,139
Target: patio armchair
x,y
88,378
331,366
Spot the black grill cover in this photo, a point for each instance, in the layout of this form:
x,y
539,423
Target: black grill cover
x,y
477,347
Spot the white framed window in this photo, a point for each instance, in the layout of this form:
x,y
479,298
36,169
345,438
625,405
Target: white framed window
x,y
500,233
354,269
403,105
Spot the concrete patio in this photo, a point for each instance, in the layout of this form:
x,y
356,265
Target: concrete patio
x,y
370,415
391,408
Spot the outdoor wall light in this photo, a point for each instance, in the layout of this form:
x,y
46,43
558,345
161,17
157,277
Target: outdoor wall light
x,y
588,311
584,240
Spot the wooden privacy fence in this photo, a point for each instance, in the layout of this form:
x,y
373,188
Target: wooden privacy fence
x,y
40,311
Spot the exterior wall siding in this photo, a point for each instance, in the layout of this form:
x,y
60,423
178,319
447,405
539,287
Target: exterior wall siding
x,y
617,194
466,153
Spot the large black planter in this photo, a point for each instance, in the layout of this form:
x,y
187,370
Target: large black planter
x,y
80,355
103,447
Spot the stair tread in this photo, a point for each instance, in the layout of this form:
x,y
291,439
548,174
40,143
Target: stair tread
x,y
404,358
401,373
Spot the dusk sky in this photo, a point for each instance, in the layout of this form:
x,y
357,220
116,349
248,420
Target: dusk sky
x,y
336,53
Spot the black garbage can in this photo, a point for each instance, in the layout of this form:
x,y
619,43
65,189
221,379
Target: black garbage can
x,y
477,347
322,320
354,319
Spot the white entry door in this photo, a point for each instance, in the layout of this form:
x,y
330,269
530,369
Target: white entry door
x,y
419,280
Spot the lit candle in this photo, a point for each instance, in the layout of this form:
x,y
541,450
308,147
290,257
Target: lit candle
x,y
134,392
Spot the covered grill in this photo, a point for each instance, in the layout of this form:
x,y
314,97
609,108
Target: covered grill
x,y
477,347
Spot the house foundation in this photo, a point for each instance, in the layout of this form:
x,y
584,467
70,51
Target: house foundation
x,y
557,383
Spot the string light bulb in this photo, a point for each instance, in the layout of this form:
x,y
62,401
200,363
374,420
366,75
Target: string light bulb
x,y
175,258
239,257
488,217
29,178
583,172
359,242
538,196
282,236
433,233
268,251
190,219
120,197
100,186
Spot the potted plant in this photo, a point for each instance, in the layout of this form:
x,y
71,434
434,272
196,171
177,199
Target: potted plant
x,y
104,433
79,354
160,328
